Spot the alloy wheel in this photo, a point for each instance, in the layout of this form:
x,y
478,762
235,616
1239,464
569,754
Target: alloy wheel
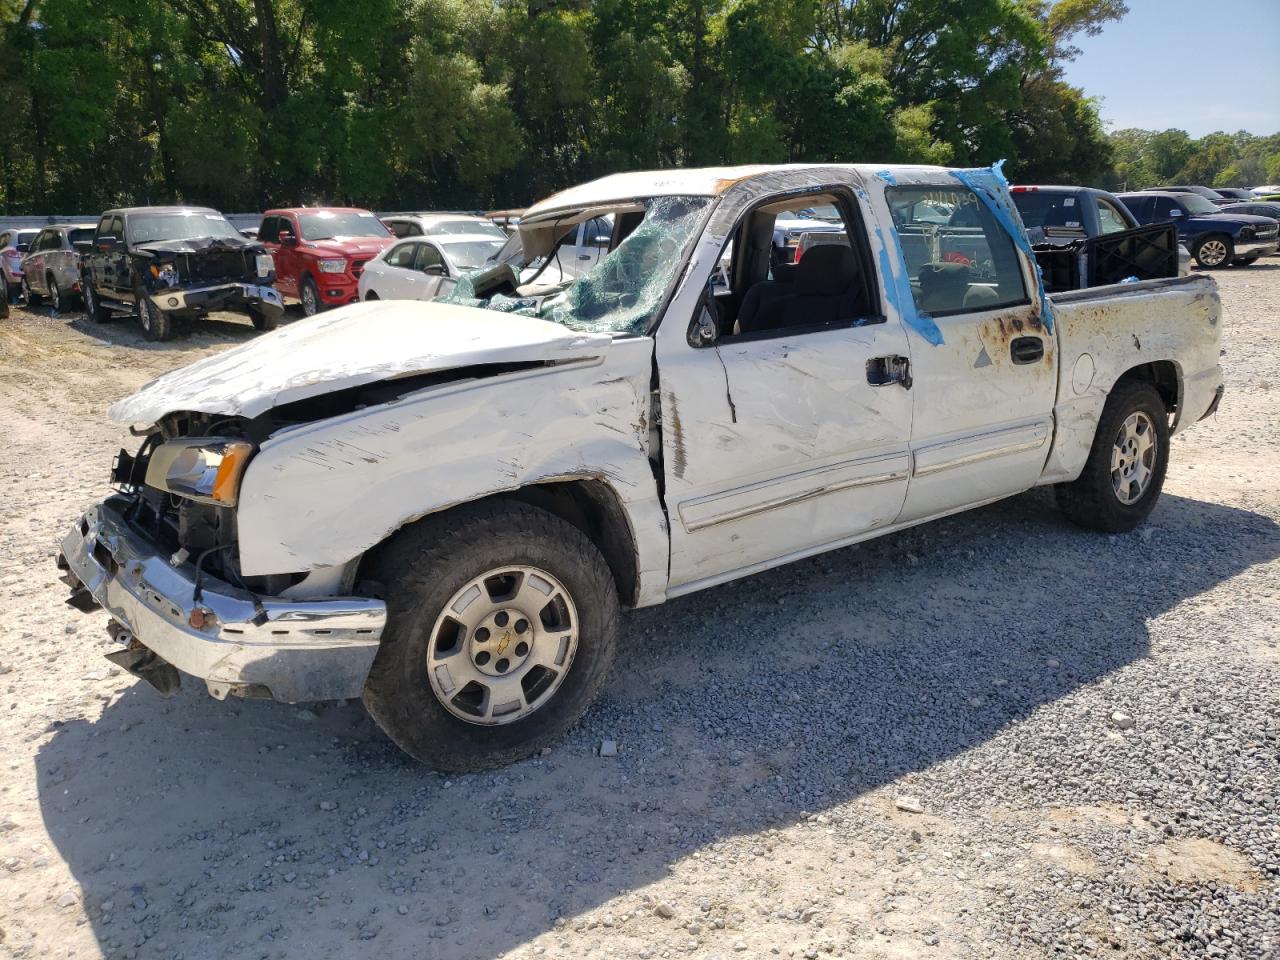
x,y
309,306
1133,457
503,645
1213,252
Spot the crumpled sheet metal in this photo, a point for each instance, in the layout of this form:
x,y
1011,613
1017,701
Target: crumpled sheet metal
x,y
992,189
358,344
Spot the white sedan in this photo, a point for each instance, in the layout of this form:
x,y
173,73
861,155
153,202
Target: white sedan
x,y
422,268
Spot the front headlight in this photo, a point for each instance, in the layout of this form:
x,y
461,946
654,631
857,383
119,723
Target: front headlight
x,y
165,274
333,266
266,264
207,469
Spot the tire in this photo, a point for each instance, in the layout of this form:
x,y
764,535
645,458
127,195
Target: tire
x,y
55,294
1097,499
425,571
156,324
1213,252
92,305
371,296
4,288
29,296
262,320
310,297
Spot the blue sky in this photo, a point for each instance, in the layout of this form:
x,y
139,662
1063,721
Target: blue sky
x,y
1197,66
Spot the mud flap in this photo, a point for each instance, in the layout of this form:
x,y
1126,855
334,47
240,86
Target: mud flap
x,y
144,664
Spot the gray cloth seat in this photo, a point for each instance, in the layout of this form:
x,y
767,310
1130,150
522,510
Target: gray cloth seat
x,y
828,287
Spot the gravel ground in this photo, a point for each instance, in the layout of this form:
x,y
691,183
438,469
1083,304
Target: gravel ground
x,y
994,736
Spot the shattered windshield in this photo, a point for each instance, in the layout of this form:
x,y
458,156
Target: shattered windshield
x,y
329,225
624,290
152,227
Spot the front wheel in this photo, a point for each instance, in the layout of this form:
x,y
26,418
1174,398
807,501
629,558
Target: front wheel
x,y
156,324
1124,474
1213,252
502,625
310,297
92,305
262,320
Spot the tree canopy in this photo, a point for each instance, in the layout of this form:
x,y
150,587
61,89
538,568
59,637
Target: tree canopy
x,y
241,104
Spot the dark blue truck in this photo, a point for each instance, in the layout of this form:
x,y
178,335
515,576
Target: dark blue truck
x,y
1215,238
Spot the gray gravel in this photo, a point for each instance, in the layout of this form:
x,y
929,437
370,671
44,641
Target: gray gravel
x,y
994,736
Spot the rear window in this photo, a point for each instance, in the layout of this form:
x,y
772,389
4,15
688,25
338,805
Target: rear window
x,y
444,228
1057,214
82,235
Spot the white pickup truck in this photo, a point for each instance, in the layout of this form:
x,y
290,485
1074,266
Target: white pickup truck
x,y
442,507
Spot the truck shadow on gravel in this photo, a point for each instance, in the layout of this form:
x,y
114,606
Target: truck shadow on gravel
x,y
242,829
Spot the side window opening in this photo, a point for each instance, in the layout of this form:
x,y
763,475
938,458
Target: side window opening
x,y
403,255
269,232
429,256
1110,219
794,266
967,264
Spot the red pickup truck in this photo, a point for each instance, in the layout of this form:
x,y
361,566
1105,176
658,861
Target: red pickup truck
x,y
320,252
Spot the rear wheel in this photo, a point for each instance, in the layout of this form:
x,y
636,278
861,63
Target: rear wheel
x,y
310,297
156,324
371,296
29,296
1213,251
55,294
502,626
1124,474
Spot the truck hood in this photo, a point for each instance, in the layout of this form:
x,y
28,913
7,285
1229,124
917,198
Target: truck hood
x,y
197,245
362,343
348,246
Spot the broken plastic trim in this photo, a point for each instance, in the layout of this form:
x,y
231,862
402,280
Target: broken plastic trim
x,y
991,187
623,292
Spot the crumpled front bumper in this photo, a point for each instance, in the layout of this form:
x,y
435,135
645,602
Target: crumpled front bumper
x,y
291,650
221,296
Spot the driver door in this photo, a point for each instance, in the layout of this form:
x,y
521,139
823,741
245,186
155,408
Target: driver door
x,y
777,443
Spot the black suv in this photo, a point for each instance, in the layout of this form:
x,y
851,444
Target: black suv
x,y
167,262
1215,238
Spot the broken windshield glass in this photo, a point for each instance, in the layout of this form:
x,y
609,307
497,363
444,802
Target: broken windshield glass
x,y
623,292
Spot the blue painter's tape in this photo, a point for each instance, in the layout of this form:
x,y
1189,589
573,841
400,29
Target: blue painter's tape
x,y
897,290
991,187
887,177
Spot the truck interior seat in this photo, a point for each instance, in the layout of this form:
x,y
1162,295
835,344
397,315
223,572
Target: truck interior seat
x,y
828,287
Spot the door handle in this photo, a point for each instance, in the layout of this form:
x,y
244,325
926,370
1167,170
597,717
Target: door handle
x,y
584,256
882,371
1026,349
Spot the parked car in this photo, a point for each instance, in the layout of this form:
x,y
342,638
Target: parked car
x,y
1214,238
1213,196
442,507
52,267
166,263
1256,208
442,225
1234,193
508,220
14,245
320,252
421,268
1267,191
1065,215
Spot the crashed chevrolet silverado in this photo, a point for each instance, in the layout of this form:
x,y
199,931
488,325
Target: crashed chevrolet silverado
x,y
441,507
164,263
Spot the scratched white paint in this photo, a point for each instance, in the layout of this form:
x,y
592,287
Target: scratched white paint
x,y
358,344
320,494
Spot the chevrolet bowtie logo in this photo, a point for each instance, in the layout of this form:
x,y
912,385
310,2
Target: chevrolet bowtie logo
x,y
504,643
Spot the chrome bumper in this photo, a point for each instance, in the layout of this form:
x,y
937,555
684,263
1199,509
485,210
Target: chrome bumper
x,y
215,295
291,650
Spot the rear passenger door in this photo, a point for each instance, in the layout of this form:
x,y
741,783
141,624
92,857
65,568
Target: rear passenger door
x,y
984,394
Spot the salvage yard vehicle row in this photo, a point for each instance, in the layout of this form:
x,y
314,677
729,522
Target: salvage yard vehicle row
x,y
442,506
